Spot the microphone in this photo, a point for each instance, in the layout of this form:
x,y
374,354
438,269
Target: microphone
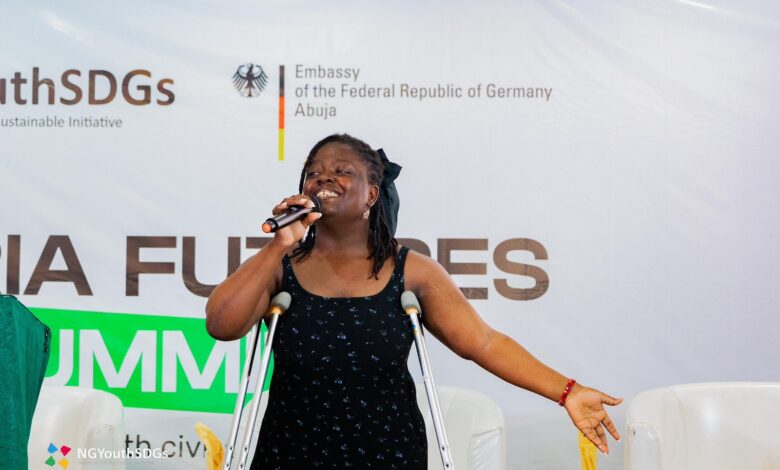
x,y
293,213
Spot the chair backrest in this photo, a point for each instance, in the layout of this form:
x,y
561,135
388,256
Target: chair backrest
x,y
474,425
79,418
705,426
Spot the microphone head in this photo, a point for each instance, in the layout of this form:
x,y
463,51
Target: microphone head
x,y
409,300
317,204
281,300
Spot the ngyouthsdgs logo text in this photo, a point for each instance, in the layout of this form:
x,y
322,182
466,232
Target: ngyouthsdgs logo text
x,y
93,453
136,87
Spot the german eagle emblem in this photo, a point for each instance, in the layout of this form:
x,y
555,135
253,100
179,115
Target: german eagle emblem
x,y
250,80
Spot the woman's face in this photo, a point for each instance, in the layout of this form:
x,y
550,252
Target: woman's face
x,y
339,178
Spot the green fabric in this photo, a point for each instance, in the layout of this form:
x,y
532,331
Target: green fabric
x,y
24,353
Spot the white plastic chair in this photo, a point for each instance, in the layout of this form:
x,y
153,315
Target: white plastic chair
x,y
708,426
475,429
80,418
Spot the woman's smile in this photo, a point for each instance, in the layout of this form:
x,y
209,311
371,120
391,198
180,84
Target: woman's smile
x,y
324,194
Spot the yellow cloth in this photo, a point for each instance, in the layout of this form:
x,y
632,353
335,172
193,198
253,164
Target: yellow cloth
x,y
215,453
588,452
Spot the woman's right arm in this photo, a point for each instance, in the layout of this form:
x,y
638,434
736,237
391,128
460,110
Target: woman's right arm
x,y
240,301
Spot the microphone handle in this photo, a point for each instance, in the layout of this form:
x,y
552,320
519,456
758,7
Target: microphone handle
x,y
272,224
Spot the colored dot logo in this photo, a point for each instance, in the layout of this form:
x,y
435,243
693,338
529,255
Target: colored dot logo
x,y
62,450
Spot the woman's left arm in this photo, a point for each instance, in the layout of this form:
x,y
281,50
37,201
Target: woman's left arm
x,y
449,316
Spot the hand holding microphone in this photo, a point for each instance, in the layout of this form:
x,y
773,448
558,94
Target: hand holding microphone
x,y
293,209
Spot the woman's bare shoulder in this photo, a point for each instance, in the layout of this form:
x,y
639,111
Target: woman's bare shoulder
x,y
421,271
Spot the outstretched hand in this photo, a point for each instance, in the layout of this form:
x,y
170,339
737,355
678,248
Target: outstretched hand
x,y
586,409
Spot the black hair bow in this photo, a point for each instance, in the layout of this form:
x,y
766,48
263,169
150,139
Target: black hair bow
x,y
388,192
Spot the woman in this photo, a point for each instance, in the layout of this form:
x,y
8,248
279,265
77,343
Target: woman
x,y
341,394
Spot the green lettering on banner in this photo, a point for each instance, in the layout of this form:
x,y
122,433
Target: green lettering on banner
x,y
148,361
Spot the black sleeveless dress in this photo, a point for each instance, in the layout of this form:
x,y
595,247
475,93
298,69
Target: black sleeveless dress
x,y
341,395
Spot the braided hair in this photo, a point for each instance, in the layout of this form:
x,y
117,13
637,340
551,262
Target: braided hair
x,y
381,241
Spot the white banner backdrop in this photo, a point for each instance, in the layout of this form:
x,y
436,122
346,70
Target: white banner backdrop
x,y
632,142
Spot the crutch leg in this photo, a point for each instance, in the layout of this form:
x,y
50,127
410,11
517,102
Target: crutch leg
x,y
412,307
278,305
254,411
231,442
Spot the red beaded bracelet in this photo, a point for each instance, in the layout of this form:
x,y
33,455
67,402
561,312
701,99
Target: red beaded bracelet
x,y
566,391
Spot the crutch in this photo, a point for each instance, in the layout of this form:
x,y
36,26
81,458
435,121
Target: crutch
x,y
278,305
412,308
